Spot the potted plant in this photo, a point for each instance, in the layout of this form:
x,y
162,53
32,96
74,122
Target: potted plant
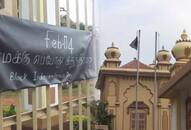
x,y
101,119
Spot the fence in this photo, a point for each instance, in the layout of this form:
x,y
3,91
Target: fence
x,y
50,110
38,11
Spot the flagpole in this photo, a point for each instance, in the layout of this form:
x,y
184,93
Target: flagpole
x,y
137,81
155,87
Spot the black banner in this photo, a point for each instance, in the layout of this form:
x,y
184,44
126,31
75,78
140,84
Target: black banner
x,y
34,54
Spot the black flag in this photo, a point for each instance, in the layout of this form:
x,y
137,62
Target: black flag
x,y
134,43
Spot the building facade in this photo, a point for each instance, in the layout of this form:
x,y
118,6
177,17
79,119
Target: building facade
x,y
178,88
118,87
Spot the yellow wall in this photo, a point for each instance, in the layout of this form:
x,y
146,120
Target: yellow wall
x,y
119,92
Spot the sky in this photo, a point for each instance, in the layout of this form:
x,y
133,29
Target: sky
x,y
72,10
118,21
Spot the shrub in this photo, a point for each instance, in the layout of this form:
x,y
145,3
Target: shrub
x,y
76,119
100,114
9,112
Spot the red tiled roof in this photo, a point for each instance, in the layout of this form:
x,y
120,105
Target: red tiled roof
x,y
133,65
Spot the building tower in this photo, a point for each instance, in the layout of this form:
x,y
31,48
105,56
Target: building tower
x,y
163,59
112,55
164,105
181,52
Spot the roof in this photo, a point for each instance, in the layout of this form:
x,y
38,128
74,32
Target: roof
x,y
133,65
178,78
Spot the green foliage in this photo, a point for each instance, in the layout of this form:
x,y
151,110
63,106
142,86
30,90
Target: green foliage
x,y
103,118
82,26
72,23
76,120
9,111
100,114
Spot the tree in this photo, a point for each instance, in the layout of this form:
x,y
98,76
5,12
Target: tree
x,y
100,114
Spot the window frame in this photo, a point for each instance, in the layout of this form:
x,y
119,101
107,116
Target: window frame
x,y
141,108
139,111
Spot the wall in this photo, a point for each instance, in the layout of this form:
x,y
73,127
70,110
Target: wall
x,y
119,92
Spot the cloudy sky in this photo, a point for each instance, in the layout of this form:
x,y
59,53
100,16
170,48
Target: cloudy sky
x,y
118,21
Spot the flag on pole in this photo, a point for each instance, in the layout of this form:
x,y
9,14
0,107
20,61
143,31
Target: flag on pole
x,y
155,123
134,43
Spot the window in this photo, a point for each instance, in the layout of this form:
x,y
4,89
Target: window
x,y
2,4
141,119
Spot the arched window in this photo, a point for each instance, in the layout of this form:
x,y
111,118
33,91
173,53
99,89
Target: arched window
x,y
141,119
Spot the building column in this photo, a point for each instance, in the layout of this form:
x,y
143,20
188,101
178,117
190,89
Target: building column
x,y
174,115
183,109
178,114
